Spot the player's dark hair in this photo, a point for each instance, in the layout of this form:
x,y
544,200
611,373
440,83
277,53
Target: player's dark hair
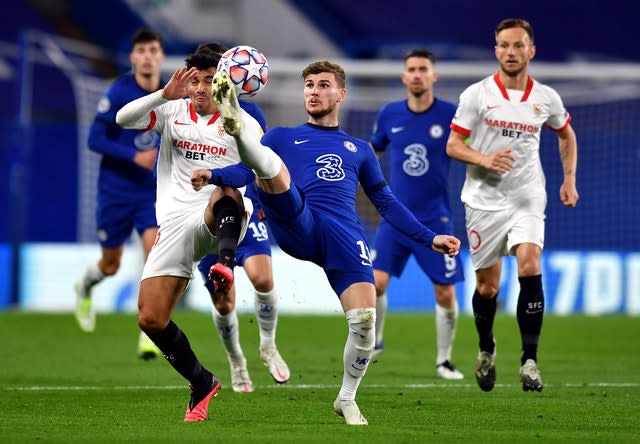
x,y
515,23
145,36
420,52
202,59
326,66
215,47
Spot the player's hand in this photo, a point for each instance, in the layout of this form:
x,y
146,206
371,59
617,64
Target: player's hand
x,y
200,178
499,162
146,159
444,243
176,87
261,214
568,193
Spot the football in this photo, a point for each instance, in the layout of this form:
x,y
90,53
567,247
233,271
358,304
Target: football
x,y
247,68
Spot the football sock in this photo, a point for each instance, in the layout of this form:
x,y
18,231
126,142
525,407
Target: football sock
x,y
262,160
357,350
484,311
381,311
92,276
228,224
176,349
530,312
445,331
227,326
267,315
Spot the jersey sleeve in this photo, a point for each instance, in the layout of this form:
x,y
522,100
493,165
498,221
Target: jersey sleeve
x,y
467,112
559,118
379,138
370,175
399,216
102,133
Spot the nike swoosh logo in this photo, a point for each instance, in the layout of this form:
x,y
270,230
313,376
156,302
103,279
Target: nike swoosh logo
x,y
180,123
492,106
298,142
449,274
397,129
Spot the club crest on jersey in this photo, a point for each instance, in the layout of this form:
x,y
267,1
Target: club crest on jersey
x,y
436,131
350,146
221,131
537,108
104,104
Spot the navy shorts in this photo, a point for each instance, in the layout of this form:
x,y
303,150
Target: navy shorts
x,y
337,243
116,219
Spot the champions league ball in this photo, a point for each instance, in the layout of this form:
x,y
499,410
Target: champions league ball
x,y
247,68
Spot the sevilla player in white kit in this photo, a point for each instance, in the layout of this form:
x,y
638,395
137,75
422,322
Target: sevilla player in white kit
x,y
504,191
192,223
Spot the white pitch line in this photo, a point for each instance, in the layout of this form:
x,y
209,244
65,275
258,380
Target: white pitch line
x,y
303,386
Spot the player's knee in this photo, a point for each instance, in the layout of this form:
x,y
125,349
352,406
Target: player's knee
x,y
262,283
109,268
362,322
150,323
223,304
487,290
528,268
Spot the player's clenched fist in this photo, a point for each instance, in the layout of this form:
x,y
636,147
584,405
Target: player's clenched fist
x,y
200,178
449,245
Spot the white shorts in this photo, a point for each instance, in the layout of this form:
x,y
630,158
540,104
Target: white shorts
x,y
183,240
493,234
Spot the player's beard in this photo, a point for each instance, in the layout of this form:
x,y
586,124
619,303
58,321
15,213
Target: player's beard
x,y
512,72
320,113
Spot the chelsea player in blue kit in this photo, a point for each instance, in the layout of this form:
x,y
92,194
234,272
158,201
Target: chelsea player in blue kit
x,y
126,183
415,131
307,185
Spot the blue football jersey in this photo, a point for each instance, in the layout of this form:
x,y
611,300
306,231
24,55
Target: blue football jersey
x,y
119,177
419,162
326,164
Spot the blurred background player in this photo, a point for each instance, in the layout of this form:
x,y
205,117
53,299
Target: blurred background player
x,y
504,190
416,130
254,255
307,184
126,182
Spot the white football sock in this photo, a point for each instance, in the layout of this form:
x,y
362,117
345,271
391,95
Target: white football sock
x,y
381,311
91,277
357,350
446,331
266,305
227,326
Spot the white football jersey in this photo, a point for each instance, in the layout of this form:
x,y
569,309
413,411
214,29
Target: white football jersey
x,y
494,119
190,141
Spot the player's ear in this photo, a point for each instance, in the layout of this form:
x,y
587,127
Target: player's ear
x,y
532,52
342,94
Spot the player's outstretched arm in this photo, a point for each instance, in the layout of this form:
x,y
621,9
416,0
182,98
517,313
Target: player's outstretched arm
x,y
136,114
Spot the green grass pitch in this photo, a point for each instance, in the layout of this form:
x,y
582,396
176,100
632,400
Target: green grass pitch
x,y
58,384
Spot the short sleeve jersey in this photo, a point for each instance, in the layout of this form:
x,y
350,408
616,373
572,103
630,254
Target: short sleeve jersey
x,y
418,155
190,141
494,119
